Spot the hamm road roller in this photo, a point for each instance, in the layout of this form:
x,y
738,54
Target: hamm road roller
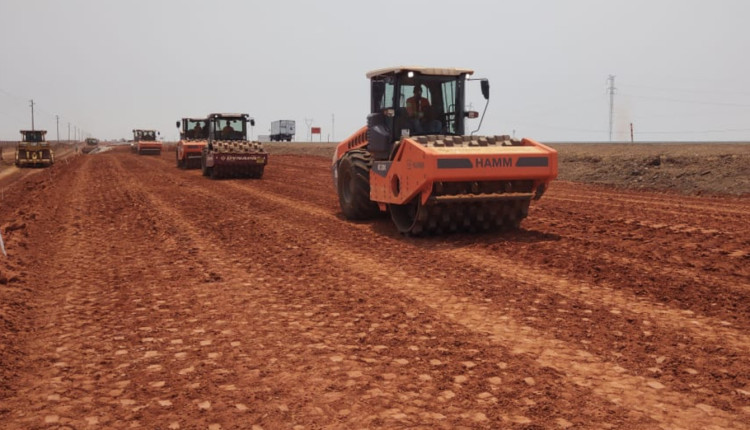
x,y
415,160
193,138
145,142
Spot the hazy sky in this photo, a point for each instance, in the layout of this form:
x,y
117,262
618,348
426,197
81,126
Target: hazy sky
x,y
682,67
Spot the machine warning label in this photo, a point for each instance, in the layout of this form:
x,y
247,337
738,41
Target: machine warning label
x,y
381,167
414,164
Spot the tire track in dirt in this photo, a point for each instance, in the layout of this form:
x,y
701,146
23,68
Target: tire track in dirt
x,y
308,209
258,304
646,199
285,238
703,276
653,206
687,319
701,328
694,273
85,339
606,296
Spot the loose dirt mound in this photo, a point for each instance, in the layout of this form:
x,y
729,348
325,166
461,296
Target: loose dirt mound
x,y
684,168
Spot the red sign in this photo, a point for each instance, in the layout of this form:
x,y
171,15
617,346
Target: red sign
x,y
315,130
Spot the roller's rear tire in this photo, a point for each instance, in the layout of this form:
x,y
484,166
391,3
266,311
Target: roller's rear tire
x,y
205,170
353,186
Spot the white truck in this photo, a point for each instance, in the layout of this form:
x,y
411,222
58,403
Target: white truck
x,y
282,130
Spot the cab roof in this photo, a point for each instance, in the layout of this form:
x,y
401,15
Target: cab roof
x,y
423,70
228,115
34,131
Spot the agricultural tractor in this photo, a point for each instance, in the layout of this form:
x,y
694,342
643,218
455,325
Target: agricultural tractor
x,y
145,142
227,152
33,150
193,138
415,160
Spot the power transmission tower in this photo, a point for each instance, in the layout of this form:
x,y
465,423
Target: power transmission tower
x,y
611,88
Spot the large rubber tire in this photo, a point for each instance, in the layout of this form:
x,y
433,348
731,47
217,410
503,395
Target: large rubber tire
x,y
180,163
205,169
353,186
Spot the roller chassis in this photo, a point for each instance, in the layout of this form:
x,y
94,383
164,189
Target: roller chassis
x,y
188,153
442,184
225,159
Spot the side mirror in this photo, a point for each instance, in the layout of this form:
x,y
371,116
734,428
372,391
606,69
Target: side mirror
x,y
157,133
485,88
178,124
252,122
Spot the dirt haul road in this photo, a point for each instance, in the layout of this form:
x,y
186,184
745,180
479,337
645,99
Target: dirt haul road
x,y
140,295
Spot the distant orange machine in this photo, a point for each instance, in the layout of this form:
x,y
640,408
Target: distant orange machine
x,y
193,138
145,142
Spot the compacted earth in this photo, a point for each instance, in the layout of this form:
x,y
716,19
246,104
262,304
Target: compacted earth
x,y
138,295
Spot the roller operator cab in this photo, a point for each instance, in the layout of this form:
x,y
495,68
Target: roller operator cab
x,y
33,150
193,138
145,142
228,152
415,160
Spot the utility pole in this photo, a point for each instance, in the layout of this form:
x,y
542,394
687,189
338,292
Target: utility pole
x,y
68,132
333,135
308,123
32,114
611,89
57,120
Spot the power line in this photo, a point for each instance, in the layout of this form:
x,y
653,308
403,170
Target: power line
x,y
728,130
688,101
685,90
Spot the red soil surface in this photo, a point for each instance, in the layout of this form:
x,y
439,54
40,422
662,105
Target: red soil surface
x,y
135,294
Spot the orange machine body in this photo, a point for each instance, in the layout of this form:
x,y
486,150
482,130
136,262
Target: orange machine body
x,y
420,162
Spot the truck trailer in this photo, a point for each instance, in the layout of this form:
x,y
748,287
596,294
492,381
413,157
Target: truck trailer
x,y
282,130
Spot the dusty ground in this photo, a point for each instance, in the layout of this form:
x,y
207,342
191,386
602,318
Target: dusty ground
x,y
138,295
714,168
